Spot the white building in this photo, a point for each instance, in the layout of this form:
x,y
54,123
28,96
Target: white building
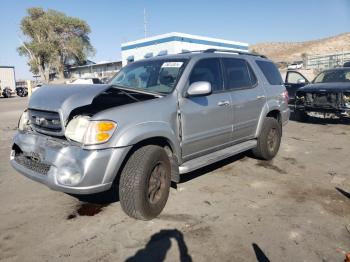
x,y
98,70
174,43
7,77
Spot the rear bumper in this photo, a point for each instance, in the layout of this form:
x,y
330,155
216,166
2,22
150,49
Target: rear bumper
x,y
95,168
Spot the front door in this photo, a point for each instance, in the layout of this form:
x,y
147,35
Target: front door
x,y
294,80
206,120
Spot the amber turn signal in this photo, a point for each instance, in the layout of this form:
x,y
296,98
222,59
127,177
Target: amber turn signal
x,y
105,126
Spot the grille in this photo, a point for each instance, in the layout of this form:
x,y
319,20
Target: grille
x,y
322,99
45,121
35,166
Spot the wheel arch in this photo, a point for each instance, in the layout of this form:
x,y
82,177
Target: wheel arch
x,y
268,111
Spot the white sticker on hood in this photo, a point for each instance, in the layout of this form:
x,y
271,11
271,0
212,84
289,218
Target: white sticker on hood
x,y
172,64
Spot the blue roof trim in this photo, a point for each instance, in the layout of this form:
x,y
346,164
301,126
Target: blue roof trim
x,y
184,39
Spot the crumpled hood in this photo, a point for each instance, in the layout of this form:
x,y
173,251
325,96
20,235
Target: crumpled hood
x,y
64,98
326,87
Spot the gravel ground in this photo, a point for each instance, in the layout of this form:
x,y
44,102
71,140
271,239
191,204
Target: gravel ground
x,y
295,208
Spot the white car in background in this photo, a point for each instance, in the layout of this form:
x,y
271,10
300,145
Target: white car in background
x,y
85,81
295,65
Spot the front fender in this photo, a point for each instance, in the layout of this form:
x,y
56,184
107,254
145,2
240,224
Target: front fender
x,y
137,133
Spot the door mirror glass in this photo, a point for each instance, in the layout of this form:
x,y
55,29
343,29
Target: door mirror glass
x,y
200,88
301,81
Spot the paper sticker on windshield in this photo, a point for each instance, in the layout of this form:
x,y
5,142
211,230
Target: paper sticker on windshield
x,y
172,64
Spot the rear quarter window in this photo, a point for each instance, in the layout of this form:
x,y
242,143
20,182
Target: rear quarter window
x,y
270,72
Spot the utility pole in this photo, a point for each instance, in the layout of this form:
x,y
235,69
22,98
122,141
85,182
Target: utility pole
x,y
145,22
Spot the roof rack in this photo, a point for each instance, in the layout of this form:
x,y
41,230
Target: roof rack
x,y
213,50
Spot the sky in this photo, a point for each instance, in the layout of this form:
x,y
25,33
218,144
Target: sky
x,y
113,22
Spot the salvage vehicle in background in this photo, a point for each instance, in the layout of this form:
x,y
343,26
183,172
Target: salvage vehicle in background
x,y
327,95
156,119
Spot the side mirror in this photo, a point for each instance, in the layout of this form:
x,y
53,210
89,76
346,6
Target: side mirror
x,y
301,81
200,88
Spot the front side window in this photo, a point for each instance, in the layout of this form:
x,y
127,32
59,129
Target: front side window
x,y
270,72
208,70
158,76
238,74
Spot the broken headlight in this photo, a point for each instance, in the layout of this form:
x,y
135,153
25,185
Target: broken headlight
x,y
24,123
82,130
346,99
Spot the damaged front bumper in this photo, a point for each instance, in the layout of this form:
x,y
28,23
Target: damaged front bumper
x,y
323,103
65,166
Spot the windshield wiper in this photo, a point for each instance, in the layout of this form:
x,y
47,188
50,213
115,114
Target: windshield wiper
x,y
138,90
129,95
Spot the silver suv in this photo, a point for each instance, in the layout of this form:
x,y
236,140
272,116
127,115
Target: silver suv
x,y
155,120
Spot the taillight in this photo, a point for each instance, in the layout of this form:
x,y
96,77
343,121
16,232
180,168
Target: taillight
x,y
285,96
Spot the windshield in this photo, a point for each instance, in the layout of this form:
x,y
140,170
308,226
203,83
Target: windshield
x,y
331,76
159,75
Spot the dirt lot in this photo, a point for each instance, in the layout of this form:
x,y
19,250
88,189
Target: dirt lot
x,y
296,208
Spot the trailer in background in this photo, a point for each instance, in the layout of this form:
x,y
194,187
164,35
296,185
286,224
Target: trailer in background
x,y
7,80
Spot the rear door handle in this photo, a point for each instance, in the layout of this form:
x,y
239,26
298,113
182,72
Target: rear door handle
x,y
224,103
260,97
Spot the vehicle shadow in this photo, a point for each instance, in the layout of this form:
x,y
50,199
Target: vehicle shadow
x,y
112,195
103,198
260,255
214,166
159,244
322,121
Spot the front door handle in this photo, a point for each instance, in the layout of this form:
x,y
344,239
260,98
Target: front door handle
x,y
260,97
224,103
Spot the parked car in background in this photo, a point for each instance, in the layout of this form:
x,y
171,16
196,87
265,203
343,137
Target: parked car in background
x,y
295,65
328,93
156,119
347,64
86,81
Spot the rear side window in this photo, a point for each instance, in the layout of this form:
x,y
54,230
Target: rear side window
x,y
208,70
271,72
238,74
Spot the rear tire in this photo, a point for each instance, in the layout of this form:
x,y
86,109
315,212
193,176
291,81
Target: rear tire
x,y
269,140
21,92
145,182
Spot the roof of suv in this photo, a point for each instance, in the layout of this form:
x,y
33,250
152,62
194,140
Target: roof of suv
x,y
206,53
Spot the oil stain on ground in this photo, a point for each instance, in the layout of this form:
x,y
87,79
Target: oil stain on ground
x,y
87,209
269,165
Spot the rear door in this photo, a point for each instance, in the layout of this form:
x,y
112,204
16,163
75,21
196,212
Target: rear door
x,y
247,96
206,120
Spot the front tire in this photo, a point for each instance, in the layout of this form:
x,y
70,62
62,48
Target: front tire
x,y
145,182
269,140
6,93
301,115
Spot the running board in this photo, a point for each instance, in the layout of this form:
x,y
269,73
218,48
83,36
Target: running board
x,y
216,156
